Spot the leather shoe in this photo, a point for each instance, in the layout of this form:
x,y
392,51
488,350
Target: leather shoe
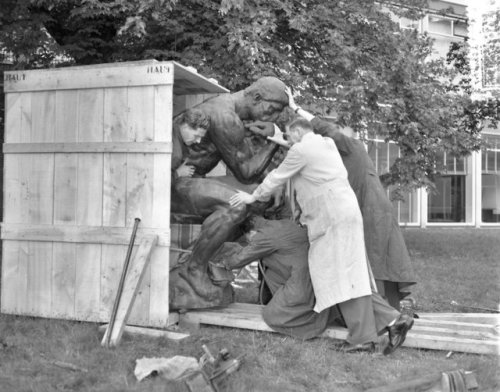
x,y
368,347
397,333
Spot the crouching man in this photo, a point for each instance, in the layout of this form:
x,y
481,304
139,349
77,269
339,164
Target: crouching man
x,y
282,245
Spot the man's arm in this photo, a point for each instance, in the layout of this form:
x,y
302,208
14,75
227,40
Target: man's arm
x,y
323,128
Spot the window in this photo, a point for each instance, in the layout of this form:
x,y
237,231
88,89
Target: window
x,y
383,156
405,23
440,25
448,26
460,28
490,180
447,203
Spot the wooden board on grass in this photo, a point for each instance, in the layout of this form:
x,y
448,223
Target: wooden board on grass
x,y
428,333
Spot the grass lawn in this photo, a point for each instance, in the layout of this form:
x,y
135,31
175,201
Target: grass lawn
x,y
460,265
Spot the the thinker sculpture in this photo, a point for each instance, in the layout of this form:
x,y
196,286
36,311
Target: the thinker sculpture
x,y
216,132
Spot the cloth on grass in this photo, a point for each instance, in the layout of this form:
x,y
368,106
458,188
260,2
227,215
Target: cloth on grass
x,y
169,368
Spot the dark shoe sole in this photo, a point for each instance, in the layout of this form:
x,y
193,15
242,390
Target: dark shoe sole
x,y
399,339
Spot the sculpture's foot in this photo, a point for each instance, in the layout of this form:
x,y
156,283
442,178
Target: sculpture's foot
x,y
193,289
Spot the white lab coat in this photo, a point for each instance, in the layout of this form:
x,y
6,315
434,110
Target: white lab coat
x,y
337,256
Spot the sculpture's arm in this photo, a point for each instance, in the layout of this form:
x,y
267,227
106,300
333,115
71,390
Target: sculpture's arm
x,y
244,255
228,134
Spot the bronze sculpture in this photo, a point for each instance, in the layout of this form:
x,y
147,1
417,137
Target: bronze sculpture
x,y
207,197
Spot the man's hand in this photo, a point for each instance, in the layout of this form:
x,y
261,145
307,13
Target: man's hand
x,y
241,198
291,101
279,138
263,128
185,170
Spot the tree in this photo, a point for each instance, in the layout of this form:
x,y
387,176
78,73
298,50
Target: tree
x,y
344,57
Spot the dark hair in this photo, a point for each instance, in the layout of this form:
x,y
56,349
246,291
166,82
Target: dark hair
x,y
195,118
301,123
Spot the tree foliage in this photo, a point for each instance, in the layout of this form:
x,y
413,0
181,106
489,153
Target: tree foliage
x,y
347,58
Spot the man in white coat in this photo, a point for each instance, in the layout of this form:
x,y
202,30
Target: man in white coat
x,y
337,256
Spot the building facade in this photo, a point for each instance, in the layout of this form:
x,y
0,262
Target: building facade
x,y
468,191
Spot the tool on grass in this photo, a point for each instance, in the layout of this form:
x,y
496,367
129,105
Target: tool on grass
x,y
107,334
214,370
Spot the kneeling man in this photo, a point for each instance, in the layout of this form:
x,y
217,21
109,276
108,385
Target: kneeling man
x,y
282,245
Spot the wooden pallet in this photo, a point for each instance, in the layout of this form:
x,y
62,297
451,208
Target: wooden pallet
x,y
476,333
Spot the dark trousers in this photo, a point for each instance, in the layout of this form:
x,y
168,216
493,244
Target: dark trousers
x,y
367,317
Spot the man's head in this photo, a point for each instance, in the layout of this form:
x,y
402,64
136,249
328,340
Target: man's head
x,y
193,125
267,99
297,129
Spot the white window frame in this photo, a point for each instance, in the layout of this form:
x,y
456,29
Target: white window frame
x,y
479,187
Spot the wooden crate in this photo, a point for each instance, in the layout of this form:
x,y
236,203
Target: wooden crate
x,y
87,149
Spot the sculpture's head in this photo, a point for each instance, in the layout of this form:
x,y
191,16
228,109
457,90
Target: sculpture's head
x,y
266,99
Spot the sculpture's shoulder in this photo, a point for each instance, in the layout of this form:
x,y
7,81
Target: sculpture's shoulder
x,y
219,107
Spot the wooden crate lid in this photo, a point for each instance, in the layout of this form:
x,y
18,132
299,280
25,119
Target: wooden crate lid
x,y
127,74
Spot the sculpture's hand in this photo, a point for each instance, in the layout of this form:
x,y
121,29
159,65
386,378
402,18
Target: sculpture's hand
x,y
279,138
263,128
241,198
185,170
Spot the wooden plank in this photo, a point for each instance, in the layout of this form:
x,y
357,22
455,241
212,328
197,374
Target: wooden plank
x,y
457,325
140,171
115,165
89,204
14,273
456,332
63,280
159,288
188,81
159,264
87,282
40,203
245,320
79,234
153,333
14,278
248,316
126,74
113,257
65,199
114,195
463,317
133,278
88,147
144,73
446,343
